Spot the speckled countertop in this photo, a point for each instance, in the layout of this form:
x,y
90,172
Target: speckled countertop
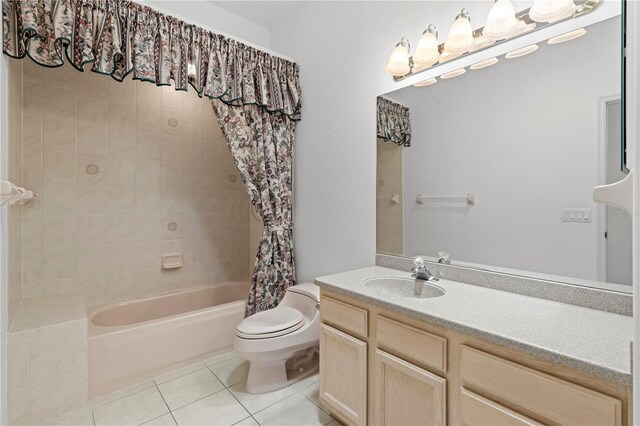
x,y
586,339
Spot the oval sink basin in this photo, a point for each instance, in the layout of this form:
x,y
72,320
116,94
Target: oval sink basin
x,y
404,287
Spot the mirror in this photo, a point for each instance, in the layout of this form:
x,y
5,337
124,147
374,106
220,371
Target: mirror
x,y
496,166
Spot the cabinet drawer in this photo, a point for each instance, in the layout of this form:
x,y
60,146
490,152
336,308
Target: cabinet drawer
x,y
555,399
416,345
346,317
479,411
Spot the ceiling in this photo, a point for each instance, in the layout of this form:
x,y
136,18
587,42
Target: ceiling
x,y
265,13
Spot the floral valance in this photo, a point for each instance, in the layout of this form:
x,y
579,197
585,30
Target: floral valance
x,y
393,122
118,37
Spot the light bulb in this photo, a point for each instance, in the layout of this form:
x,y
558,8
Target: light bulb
x,y
398,64
551,10
521,52
427,82
460,38
452,74
501,22
484,64
568,36
427,52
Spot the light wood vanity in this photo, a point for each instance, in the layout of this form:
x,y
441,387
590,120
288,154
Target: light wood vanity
x,y
379,367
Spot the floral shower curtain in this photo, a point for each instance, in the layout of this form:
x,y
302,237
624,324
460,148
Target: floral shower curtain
x,y
256,96
262,146
393,122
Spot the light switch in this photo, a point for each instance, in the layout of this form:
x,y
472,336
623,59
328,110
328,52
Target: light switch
x,y
575,215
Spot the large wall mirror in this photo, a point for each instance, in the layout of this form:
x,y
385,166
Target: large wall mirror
x,y
496,167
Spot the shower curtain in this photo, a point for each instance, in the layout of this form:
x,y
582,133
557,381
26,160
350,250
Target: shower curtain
x,y
262,146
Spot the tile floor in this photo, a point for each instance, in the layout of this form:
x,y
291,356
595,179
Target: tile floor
x,y
205,393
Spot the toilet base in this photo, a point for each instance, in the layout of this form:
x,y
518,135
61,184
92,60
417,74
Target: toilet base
x,y
273,375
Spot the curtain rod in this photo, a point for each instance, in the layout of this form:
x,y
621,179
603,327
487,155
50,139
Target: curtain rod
x,y
214,30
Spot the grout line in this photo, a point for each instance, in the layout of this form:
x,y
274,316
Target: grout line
x,y
182,375
165,403
124,396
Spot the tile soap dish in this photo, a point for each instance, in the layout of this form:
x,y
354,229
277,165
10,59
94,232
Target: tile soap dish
x,y
171,261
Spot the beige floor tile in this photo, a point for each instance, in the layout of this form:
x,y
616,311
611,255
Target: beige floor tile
x,y
247,422
220,358
120,393
131,410
304,383
179,372
218,409
189,388
296,410
164,420
259,401
231,371
81,417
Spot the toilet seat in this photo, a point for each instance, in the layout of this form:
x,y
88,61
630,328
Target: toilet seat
x,y
272,323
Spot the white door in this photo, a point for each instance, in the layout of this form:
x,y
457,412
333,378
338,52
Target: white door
x,y
618,227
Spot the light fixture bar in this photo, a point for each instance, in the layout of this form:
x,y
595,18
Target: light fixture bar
x,y
583,8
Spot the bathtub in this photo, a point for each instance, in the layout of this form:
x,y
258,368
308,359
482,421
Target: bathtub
x,y
133,341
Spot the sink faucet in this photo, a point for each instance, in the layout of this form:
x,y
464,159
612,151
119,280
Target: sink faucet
x,y
420,271
443,257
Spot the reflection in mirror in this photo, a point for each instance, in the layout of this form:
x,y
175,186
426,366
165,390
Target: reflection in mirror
x,y
497,165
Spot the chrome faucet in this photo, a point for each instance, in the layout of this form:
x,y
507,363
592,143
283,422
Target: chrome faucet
x,y
420,271
443,257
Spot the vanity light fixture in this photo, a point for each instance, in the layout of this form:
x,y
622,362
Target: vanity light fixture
x,y
551,10
452,74
522,28
522,52
427,52
427,82
398,64
460,38
502,21
568,36
484,64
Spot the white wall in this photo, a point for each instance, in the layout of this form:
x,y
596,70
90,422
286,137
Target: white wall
x,y
522,135
214,18
342,48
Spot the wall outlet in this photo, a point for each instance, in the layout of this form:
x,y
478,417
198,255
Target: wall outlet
x,y
576,215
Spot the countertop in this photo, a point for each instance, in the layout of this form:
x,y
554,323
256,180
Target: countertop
x,y
585,339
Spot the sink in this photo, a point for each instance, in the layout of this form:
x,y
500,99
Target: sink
x,y
404,287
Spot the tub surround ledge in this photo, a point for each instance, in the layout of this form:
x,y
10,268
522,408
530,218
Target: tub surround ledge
x,y
589,340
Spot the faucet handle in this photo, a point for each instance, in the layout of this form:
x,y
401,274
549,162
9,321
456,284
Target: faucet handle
x,y
443,257
418,262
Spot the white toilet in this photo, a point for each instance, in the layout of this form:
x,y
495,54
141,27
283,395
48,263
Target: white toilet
x,y
281,344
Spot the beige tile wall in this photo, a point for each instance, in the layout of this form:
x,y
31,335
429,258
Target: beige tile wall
x,y
389,215
47,372
15,176
128,172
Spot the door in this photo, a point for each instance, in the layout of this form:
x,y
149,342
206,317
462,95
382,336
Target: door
x,y
343,375
407,395
618,221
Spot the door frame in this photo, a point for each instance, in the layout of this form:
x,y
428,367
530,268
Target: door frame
x,y
600,216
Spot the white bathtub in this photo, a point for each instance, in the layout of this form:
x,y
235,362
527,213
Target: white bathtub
x,y
133,341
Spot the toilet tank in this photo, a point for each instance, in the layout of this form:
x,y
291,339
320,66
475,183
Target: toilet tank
x,y
304,297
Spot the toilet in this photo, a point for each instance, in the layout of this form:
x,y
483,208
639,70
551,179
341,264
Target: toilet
x,y
281,344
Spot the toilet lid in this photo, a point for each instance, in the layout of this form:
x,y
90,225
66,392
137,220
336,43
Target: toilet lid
x,y
278,321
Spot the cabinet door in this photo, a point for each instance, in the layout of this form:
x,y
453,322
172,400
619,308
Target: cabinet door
x,y
407,395
343,375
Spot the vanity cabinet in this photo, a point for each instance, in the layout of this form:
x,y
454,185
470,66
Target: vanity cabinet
x,y
406,394
343,366
382,368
